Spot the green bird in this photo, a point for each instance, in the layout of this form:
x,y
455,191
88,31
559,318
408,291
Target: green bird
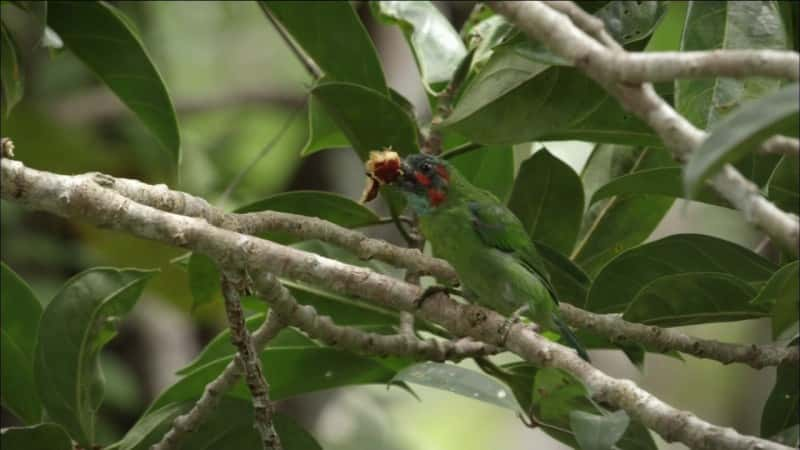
x,y
484,241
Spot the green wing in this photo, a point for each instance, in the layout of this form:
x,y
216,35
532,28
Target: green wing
x,y
498,227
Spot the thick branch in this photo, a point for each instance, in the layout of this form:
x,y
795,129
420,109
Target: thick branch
x,y
81,198
263,408
214,391
362,246
558,32
668,66
312,228
665,339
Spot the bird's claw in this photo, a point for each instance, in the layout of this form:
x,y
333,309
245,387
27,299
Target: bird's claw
x,y
512,320
433,290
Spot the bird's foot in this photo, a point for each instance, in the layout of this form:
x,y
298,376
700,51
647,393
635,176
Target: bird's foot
x,y
512,320
433,290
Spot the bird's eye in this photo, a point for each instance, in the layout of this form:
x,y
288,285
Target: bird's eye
x,y
426,167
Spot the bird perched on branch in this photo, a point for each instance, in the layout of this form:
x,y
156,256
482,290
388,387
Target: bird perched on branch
x,y
469,227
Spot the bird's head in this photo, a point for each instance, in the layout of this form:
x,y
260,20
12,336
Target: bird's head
x,y
424,179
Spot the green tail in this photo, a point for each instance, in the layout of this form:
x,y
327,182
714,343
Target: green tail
x,y
570,337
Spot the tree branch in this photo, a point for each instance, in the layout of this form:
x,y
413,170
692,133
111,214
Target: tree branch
x,y
556,31
214,391
81,197
781,145
323,328
263,408
312,228
665,339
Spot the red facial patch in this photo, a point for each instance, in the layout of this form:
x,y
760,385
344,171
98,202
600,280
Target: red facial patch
x,y
436,196
443,172
422,178
387,170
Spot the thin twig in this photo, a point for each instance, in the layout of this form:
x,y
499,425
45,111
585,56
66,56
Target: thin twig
x,y
263,408
214,391
781,145
264,151
665,339
323,328
307,62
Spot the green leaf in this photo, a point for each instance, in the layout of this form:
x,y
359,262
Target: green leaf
x,y
75,325
782,409
458,380
205,283
620,280
485,36
557,393
221,347
369,119
334,37
598,432
230,425
514,100
290,371
38,12
612,226
741,132
20,312
436,45
780,295
571,283
664,181
490,168
517,97
693,298
44,436
11,73
783,187
548,199
324,205
322,131
726,25
100,36
629,22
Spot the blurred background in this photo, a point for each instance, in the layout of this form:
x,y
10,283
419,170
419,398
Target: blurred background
x,y
239,91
